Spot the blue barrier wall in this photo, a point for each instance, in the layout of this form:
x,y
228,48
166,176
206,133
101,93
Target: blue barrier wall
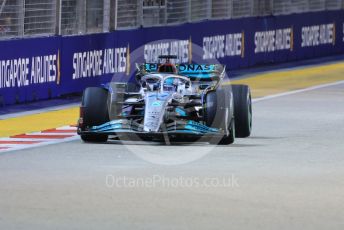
x,y
41,68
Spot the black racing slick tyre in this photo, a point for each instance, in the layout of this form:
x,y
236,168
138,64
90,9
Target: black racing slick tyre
x,y
242,110
95,112
99,138
217,114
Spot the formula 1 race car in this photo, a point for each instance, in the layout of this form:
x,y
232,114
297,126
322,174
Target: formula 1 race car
x,y
185,102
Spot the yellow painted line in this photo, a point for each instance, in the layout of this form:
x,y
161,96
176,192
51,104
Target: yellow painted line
x,y
261,85
38,122
283,81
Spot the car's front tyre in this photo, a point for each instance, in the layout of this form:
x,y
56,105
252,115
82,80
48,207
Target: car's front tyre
x,y
94,112
219,114
100,138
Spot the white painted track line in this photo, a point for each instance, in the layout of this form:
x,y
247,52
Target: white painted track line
x,y
297,91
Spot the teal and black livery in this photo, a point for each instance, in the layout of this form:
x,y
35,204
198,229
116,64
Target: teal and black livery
x,y
202,72
124,126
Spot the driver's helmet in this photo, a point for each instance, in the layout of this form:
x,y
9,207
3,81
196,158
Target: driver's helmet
x,y
171,84
152,85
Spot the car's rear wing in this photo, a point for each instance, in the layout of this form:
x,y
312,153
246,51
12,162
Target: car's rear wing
x,y
200,72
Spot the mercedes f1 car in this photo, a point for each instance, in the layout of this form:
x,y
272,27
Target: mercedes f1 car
x,y
176,102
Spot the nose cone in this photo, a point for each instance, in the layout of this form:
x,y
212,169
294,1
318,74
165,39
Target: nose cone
x,y
154,110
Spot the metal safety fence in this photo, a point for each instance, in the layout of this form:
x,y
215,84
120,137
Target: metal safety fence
x,y
20,18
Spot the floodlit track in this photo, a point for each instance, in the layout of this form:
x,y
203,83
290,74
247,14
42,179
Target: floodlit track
x,y
288,175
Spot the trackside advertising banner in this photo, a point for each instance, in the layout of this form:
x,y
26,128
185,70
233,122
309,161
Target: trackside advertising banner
x,y
42,68
29,69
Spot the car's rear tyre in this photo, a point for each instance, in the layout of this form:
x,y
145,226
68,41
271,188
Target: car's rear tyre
x,y
242,110
95,112
218,114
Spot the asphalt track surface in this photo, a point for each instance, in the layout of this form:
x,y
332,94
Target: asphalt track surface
x,y
288,175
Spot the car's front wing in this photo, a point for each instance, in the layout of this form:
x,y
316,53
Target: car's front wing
x,y
127,127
